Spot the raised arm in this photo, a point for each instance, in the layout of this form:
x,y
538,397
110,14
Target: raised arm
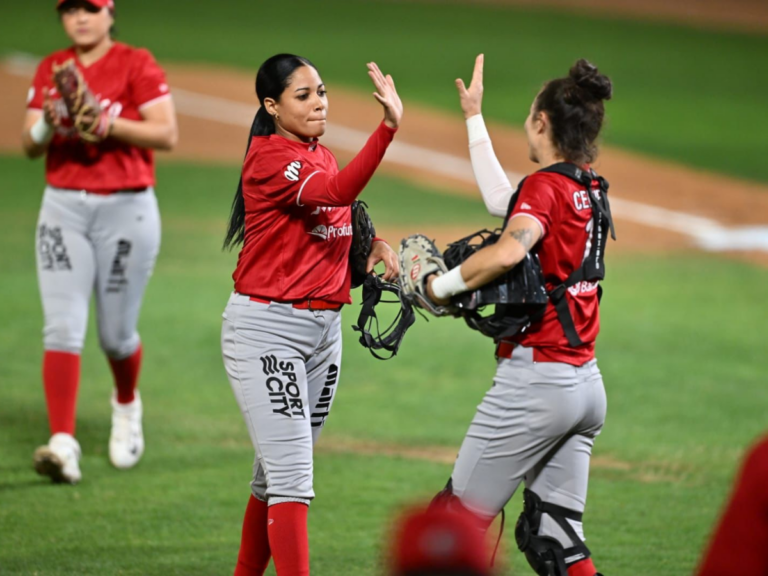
x,y
489,175
343,188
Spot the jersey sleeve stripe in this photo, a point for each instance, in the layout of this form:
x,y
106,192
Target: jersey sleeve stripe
x,y
155,101
298,198
532,217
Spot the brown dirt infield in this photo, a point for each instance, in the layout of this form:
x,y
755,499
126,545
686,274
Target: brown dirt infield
x,y
729,201
743,15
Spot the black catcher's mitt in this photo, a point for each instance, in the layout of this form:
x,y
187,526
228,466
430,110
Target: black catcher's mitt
x,y
363,234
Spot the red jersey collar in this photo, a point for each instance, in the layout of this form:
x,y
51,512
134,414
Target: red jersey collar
x,y
309,146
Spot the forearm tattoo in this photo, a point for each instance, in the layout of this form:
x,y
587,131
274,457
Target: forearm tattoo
x,y
524,236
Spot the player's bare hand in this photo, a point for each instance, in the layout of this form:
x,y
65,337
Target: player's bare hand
x,y
382,252
49,112
386,95
472,98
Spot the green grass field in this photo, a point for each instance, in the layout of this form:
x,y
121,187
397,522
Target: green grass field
x,y
678,351
679,347
681,94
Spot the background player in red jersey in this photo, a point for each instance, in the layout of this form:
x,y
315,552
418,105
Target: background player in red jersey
x,y
99,226
539,420
281,335
739,543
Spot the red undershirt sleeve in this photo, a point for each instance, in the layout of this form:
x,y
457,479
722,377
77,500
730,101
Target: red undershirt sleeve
x,y
320,189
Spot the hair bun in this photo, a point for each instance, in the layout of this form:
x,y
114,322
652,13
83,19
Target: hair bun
x,y
586,76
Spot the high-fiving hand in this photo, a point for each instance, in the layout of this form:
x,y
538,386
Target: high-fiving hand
x,y
387,96
472,98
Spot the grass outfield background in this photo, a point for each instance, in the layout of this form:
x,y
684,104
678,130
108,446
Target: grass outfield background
x,y
681,94
678,352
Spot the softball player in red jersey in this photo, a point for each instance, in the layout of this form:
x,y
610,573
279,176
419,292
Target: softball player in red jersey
x,y
539,420
99,226
738,544
281,335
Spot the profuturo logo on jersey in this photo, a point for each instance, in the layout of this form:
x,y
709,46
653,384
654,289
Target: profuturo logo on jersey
x,y
281,385
292,171
320,231
331,232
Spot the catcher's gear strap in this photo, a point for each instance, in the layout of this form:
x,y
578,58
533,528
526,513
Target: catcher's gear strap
x,y
363,234
593,266
546,555
391,338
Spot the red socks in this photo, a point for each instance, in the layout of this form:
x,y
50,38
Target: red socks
x,y
287,526
279,531
126,373
254,555
582,568
61,376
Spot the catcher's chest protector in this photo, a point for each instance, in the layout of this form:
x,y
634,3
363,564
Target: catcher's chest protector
x,y
593,267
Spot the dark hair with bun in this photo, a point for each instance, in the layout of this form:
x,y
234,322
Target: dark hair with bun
x,y
575,108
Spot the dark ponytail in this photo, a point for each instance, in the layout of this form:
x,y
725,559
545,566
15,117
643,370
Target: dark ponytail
x,y
273,77
575,108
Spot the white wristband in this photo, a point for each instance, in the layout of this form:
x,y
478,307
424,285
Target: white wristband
x,y
41,132
476,129
449,284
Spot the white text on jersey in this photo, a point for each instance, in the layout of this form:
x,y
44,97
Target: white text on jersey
x,y
292,171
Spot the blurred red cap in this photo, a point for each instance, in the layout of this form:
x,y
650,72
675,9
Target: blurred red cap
x,y
440,539
98,3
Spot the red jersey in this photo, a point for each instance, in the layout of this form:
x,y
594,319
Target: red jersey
x,y
563,210
739,544
124,81
298,220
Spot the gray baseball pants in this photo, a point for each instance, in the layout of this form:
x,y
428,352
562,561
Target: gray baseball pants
x,y
283,364
537,423
105,245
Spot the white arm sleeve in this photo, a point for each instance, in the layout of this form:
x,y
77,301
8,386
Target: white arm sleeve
x,y
491,179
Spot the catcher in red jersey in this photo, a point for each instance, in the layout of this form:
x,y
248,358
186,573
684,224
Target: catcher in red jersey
x,y
538,422
96,110
281,335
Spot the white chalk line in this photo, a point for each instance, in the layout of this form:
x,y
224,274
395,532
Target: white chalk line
x,y
706,233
